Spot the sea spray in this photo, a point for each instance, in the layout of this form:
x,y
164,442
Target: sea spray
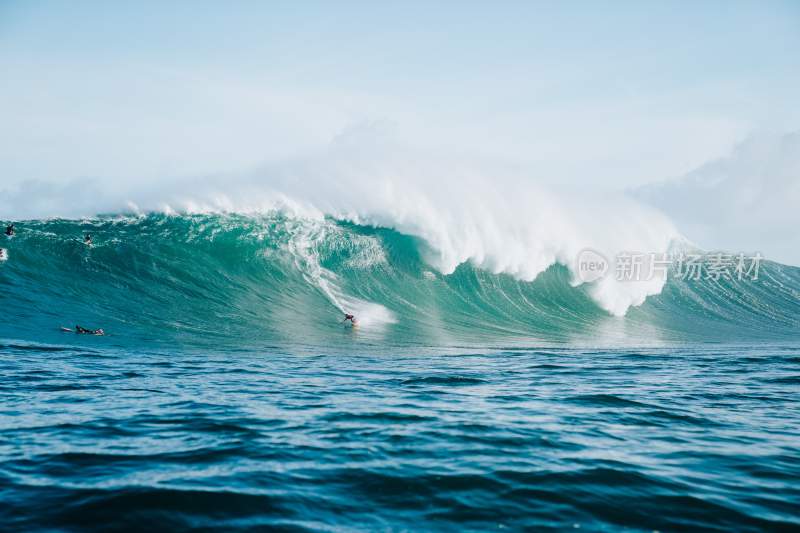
x,y
461,212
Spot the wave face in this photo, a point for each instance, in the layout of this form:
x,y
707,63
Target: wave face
x,y
280,279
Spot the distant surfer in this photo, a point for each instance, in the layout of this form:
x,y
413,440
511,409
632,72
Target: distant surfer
x,y
87,240
85,331
351,318
10,230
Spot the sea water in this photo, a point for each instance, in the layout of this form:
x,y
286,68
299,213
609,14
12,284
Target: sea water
x,y
227,394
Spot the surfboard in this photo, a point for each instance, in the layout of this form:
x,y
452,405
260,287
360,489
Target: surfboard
x,y
67,330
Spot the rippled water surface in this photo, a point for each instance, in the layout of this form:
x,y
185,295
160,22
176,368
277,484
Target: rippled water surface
x,y
657,439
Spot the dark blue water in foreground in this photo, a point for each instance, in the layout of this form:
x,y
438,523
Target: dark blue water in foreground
x,y
99,438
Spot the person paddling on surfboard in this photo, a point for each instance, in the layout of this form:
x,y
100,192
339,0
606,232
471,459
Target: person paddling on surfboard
x,y
10,230
86,331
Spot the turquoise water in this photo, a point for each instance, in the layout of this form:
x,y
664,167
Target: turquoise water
x,y
227,394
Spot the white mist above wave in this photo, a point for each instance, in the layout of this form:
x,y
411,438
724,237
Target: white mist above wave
x,y
745,201
494,218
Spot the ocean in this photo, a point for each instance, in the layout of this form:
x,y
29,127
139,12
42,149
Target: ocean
x,y
227,394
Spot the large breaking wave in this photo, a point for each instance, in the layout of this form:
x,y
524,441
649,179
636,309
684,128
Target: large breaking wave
x,y
277,277
494,219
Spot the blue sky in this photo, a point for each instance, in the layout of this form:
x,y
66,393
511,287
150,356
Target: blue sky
x,y
618,94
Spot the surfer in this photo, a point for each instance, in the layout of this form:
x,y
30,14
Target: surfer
x,y
88,239
85,331
351,318
10,230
